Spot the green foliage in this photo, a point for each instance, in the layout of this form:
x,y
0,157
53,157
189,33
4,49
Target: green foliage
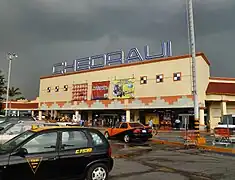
x,y
2,86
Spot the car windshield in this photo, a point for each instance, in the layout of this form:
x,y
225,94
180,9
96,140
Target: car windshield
x,y
135,125
13,143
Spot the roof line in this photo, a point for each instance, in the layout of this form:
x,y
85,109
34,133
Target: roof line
x,y
222,78
131,64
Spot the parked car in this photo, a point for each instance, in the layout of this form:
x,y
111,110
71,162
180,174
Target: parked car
x,y
128,131
56,153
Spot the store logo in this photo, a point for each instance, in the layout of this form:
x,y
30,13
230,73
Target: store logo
x,y
112,58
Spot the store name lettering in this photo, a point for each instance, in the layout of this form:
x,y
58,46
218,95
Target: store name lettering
x,y
112,58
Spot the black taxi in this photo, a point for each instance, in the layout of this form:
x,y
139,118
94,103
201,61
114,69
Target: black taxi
x,y
46,153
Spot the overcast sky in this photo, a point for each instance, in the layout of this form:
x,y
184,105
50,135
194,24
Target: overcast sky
x,y
44,32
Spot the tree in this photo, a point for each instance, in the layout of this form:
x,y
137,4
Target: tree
x,y
14,93
2,86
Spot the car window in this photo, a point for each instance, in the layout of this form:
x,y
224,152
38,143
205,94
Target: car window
x,y
124,125
42,143
135,125
14,142
96,139
117,125
74,140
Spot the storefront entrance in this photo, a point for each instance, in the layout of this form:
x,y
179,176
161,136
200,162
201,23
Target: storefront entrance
x,y
187,121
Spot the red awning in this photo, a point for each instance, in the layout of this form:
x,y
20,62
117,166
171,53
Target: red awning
x,y
221,88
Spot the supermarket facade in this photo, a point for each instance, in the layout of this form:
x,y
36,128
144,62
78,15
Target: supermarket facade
x,y
158,89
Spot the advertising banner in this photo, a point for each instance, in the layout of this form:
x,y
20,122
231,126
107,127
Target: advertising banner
x,y
123,88
79,92
100,90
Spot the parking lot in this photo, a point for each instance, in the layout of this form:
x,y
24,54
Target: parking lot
x,y
161,162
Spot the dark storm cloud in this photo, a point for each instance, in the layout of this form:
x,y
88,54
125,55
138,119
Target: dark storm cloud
x,y
44,32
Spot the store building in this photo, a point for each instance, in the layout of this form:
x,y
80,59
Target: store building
x,y
158,89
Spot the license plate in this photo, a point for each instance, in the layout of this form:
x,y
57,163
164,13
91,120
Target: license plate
x,y
144,131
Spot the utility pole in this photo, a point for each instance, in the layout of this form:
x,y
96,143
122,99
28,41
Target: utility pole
x,y
10,57
194,67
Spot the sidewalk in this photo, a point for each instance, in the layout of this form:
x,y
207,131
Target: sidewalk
x,y
171,138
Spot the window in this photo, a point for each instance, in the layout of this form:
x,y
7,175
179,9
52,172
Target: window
x,y
177,76
159,78
97,140
57,89
65,87
48,89
42,143
136,125
74,140
117,125
124,125
143,80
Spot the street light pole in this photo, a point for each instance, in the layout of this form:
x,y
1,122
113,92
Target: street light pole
x,y
10,57
194,67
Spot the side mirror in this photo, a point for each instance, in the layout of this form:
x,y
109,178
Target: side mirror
x,y
21,152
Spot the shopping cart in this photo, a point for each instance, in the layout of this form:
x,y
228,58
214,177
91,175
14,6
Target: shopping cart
x,y
223,136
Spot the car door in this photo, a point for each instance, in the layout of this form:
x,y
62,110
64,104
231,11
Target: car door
x,y
74,153
41,160
114,130
122,129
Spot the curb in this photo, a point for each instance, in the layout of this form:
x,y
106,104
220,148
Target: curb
x,y
203,147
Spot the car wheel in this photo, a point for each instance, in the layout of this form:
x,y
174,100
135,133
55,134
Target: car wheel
x,y
106,134
97,172
126,138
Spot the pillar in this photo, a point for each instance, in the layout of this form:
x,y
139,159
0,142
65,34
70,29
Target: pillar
x,y
202,119
90,117
52,114
77,116
136,115
32,113
40,115
55,114
223,108
128,116
18,113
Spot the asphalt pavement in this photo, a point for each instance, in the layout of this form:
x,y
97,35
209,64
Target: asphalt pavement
x,y
161,162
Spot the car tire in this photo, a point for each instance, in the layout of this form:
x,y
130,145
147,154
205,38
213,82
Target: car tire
x,y
106,134
97,171
126,138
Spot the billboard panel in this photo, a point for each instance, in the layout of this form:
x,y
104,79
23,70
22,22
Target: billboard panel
x,y
123,88
100,90
79,92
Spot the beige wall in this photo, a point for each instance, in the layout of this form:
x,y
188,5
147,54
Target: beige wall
x,y
203,74
220,98
215,114
151,89
215,111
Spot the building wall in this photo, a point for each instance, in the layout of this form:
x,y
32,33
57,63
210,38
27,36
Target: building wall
x,y
151,89
203,74
215,114
215,111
